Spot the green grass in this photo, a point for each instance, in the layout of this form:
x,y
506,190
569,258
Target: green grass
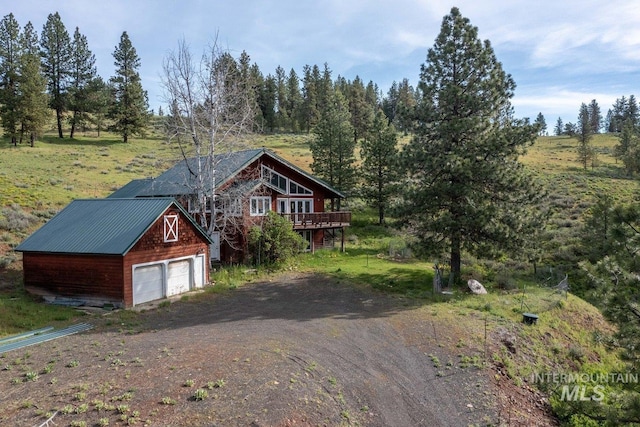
x,y
20,312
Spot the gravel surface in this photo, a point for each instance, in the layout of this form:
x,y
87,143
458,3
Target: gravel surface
x,y
294,351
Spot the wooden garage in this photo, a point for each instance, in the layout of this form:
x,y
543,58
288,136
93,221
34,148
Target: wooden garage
x,y
117,251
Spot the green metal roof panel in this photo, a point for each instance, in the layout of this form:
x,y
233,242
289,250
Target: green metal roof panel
x,y
97,226
132,189
180,179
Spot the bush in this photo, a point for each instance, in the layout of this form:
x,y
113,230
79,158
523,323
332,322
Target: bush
x,y
275,241
15,219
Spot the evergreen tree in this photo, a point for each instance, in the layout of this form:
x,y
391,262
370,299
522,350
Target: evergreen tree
x,y
99,101
584,133
361,111
631,112
372,96
294,101
628,148
282,106
33,100
405,107
9,73
333,146
83,71
541,124
390,102
130,105
559,129
379,170
595,116
310,83
465,188
55,45
267,102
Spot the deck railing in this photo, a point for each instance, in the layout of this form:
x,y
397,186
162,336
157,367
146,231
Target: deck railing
x,y
319,219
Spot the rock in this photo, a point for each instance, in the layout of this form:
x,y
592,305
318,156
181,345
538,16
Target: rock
x,y
476,287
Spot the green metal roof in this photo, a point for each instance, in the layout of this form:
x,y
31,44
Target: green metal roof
x,y
131,189
100,226
180,179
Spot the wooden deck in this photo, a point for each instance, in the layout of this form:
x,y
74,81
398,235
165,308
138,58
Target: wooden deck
x,y
319,220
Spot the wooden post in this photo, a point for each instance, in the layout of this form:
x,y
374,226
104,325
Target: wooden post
x,y
342,245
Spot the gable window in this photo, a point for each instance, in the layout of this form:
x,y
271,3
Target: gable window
x,y
260,205
171,228
295,188
282,183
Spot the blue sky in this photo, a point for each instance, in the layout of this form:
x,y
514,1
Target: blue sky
x,y
560,53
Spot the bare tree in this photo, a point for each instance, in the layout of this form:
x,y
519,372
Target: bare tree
x,y
210,111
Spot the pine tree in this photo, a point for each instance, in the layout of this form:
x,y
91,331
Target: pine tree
x,y
33,100
541,124
584,134
379,170
559,129
130,105
294,102
361,111
405,107
83,71
282,110
333,146
9,72
55,47
595,116
464,187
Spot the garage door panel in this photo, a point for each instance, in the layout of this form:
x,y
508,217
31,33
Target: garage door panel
x,y
147,283
178,277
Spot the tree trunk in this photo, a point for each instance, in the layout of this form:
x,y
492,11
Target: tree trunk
x,y
455,257
73,126
59,120
32,139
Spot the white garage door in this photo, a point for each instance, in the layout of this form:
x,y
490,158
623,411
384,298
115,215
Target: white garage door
x,y
147,283
178,277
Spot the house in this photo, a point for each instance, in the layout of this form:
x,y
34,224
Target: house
x,y
117,251
247,185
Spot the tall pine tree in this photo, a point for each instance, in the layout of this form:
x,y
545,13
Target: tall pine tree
x,y
333,146
55,45
379,170
9,73
130,105
33,99
465,188
83,71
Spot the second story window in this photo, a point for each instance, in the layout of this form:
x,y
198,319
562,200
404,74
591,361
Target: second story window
x,y
260,205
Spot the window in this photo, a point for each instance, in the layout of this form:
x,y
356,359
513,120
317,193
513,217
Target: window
x,y
171,228
260,206
194,206
275,179
228,206
282,183
295,188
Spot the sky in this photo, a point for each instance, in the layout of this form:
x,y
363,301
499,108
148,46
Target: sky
x,y
561,53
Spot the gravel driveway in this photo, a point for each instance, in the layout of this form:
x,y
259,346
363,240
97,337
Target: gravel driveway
x,y
300,350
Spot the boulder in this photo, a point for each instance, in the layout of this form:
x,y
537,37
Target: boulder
x,y
476,287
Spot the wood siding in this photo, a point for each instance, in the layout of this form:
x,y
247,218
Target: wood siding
x,y
95,276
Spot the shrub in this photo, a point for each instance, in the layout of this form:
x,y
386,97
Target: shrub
x,y
275,241
15,219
